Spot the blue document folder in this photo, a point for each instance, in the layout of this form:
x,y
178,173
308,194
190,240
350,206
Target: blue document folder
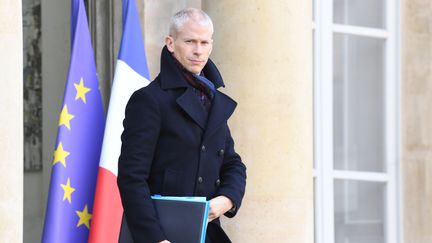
x,y
183,219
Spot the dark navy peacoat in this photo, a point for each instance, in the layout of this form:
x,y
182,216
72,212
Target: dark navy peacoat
x,y
172,146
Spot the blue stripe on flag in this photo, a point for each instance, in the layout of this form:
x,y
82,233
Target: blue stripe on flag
x,y
132,46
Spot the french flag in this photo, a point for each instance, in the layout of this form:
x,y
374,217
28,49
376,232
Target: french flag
x,y
130,75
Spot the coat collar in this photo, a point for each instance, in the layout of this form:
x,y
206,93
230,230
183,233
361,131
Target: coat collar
x,y
222,105
222,108
171,76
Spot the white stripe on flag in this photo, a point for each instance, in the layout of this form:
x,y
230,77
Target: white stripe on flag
x,y
126,81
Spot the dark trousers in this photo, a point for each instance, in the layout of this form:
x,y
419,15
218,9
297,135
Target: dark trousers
x,y
215,234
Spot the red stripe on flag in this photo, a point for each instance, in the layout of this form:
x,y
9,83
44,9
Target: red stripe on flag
x,y
107,209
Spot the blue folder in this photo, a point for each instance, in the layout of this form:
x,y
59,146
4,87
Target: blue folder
x,y
183,219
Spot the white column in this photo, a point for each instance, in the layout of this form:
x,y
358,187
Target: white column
x,y
264,52
11,122
416,120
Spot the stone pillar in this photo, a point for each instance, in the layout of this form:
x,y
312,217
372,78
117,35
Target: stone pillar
x,y
264,52
416,128
11,122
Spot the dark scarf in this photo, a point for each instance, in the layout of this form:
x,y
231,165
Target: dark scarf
x,y
204,88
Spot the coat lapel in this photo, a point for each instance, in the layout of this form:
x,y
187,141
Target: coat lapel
x,y
222,108
190,104
222,105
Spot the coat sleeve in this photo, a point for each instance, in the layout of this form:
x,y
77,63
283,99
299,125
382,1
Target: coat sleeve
x,y
139,139
232,176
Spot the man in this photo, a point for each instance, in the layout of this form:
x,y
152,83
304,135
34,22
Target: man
x,y
176,141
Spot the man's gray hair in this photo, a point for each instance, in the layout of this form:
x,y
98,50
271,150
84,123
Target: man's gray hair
x,y
182,16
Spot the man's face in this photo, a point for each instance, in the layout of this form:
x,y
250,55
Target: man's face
x,y
192,46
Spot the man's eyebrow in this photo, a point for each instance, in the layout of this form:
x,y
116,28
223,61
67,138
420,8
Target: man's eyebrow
x,y
196,39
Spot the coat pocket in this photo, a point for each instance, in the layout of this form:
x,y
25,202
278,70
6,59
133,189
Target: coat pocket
x,y
171,182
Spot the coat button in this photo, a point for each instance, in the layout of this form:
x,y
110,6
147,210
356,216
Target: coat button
x,y
217,182
200,180
221,152
203,148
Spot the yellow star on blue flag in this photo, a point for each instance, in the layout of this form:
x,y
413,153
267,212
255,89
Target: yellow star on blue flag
x,y
84,217
81,91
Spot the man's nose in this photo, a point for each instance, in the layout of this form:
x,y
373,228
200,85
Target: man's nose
x,y
198,49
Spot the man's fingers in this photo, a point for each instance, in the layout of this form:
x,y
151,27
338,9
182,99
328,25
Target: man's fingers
x,y
218,206
212,214
211,218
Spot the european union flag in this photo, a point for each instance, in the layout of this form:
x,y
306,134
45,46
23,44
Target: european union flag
x,y
77,150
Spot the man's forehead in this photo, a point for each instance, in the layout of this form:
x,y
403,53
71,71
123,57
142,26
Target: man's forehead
x,y
195,35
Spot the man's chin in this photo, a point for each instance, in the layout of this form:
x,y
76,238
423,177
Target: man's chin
x,y
195,70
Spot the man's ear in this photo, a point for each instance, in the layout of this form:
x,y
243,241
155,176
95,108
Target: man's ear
x,y
169,42
211,46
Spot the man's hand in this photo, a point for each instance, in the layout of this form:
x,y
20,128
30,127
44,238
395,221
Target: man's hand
x,y
218,206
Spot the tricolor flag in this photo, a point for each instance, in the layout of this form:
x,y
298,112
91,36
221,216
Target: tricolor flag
x,y
131,74
79,141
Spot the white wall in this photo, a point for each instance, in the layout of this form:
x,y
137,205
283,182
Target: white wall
x,y
11,120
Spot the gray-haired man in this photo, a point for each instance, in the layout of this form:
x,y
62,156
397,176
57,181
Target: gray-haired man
x,y
176,141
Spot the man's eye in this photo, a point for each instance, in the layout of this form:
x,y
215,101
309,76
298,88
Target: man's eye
x,y
188,41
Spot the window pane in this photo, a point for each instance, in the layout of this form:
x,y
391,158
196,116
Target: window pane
x,y
359,108
366,13
359,212
313,9
314,76
315,210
